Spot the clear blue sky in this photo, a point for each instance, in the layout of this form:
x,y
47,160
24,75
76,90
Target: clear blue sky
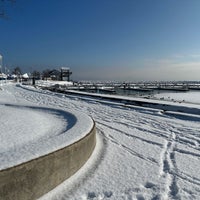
x,y
105,39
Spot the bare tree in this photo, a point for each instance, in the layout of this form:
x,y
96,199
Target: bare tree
x,y
17,71
3,11
46,73
36,74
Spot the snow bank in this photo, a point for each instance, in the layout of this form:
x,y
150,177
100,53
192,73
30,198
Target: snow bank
x,y
191,96
53,83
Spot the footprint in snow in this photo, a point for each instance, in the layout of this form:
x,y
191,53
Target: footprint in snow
x,y
93,195
140,197
108,194
149,185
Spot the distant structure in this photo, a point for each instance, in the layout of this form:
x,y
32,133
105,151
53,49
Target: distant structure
x,y
54,75
65,73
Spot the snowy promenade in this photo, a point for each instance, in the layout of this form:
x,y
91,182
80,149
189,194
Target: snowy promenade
x,y
141,153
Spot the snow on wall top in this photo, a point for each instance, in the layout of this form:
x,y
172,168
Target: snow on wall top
x,y
28,132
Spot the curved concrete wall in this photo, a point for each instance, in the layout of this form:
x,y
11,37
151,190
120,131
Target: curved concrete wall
x,y
32,179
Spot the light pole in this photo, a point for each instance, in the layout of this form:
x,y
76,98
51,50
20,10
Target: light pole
x,y
1,75
1,58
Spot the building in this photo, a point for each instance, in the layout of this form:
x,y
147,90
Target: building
x,y
59,75
65,74
55,75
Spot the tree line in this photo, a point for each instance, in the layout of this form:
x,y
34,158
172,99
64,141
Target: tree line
x,y
36,74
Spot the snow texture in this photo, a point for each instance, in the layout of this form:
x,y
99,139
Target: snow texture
x,y
190,96
141,153
28,131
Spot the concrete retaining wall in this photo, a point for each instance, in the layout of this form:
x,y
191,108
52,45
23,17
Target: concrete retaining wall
x,y
32,179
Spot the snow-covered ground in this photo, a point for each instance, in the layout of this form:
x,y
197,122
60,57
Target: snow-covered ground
x,y
141,153
190,96
29,131
53,83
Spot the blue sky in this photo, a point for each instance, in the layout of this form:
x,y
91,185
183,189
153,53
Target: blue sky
x,y
104,39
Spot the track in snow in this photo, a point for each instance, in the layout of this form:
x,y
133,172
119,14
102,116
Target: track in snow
x,y
146,151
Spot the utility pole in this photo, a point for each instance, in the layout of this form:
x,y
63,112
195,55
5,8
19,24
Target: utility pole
x,y
1,75
1,63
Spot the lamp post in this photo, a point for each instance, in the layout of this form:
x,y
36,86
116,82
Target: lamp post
x,y
1,58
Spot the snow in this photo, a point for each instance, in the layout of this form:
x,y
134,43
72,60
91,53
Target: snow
x,y
141,153
190,96
29,131
53,83
34,121
25,75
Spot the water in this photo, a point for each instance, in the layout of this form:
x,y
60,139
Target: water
x,y
133,93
